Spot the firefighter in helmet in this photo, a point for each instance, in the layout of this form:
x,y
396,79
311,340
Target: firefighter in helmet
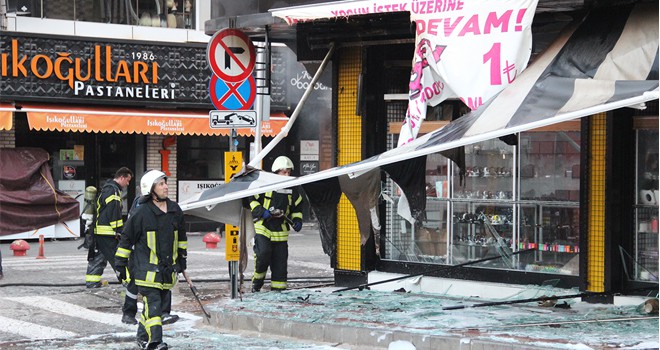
x,y
156,235
275,213
107,227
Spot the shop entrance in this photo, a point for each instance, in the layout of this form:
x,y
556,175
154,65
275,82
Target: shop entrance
x,y
110,152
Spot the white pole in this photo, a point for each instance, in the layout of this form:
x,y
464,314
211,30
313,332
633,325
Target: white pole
x,y
289,124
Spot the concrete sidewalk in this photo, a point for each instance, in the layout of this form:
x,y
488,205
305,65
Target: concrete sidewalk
x,y
375,318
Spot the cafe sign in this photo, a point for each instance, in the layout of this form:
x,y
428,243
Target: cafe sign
x,y
129,72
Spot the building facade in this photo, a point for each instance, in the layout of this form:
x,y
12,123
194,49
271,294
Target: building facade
x,y
568,204
104,87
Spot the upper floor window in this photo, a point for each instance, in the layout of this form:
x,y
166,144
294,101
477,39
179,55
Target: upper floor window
x,y
151,13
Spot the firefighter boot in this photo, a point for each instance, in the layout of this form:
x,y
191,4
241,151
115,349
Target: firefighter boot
x,y
169,318
256,285
128,319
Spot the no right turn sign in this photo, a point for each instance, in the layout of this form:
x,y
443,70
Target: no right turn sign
x,y
231,55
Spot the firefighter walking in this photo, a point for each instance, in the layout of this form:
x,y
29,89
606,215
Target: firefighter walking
x,y
155,234
274,213
107,225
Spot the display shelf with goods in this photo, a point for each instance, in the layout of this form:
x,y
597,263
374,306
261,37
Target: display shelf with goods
x,y
482,205
488,172
548,193
482,229
645,257
523,196
646,247
551,229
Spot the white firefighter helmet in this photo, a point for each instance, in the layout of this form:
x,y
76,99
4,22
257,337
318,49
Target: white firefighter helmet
x,y
281,163
149,179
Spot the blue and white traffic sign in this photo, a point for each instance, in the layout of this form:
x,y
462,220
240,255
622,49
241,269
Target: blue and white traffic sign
x,y
232,96
232,119
231,55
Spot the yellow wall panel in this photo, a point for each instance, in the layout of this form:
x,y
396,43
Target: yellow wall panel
x,y
349,150
596,231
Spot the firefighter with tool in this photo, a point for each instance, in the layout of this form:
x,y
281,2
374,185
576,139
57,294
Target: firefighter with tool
x,y
167,317
107,230
274,213
155,239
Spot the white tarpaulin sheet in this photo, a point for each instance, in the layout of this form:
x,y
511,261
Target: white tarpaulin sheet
x,y
471,52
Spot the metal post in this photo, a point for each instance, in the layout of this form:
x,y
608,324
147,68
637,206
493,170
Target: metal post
x,y
262,102
232,144
233,265
233,273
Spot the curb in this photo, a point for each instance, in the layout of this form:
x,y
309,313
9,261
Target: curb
x,y
354,335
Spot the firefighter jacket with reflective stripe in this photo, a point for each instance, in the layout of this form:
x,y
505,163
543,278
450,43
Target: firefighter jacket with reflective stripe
x,y
158,242
289,201
108,210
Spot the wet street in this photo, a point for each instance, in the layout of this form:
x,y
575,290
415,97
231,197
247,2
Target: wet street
x,y
44,303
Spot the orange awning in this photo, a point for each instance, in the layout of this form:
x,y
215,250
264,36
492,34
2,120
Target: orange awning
x,y
141,121
6,113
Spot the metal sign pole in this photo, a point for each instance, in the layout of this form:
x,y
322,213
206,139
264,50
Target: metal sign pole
x,y
262,101
231,57
233,273
233,265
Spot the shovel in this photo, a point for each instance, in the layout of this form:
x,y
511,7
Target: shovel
x,y
207,316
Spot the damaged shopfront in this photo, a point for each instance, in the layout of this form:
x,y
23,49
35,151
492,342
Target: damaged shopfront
x,y
535,185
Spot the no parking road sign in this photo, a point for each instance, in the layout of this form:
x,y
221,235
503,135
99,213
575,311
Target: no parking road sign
x,y
231,55
228,96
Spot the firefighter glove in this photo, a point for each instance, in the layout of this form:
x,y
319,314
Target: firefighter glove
x,y
297,225
266,215
121,273
182,266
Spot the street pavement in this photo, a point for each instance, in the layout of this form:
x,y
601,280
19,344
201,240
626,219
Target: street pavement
x,y
44,305
377,318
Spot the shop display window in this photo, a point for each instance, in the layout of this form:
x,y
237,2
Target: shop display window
x,y
549,195
522,197
483,211
645,260
550,165
426,241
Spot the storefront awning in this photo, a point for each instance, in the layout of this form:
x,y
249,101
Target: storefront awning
x,y
6,113
141,121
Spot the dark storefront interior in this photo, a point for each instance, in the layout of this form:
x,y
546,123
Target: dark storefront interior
x,y
104,153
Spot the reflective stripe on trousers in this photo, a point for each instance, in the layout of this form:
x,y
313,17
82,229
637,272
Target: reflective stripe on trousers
x,y
273,255
150,328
